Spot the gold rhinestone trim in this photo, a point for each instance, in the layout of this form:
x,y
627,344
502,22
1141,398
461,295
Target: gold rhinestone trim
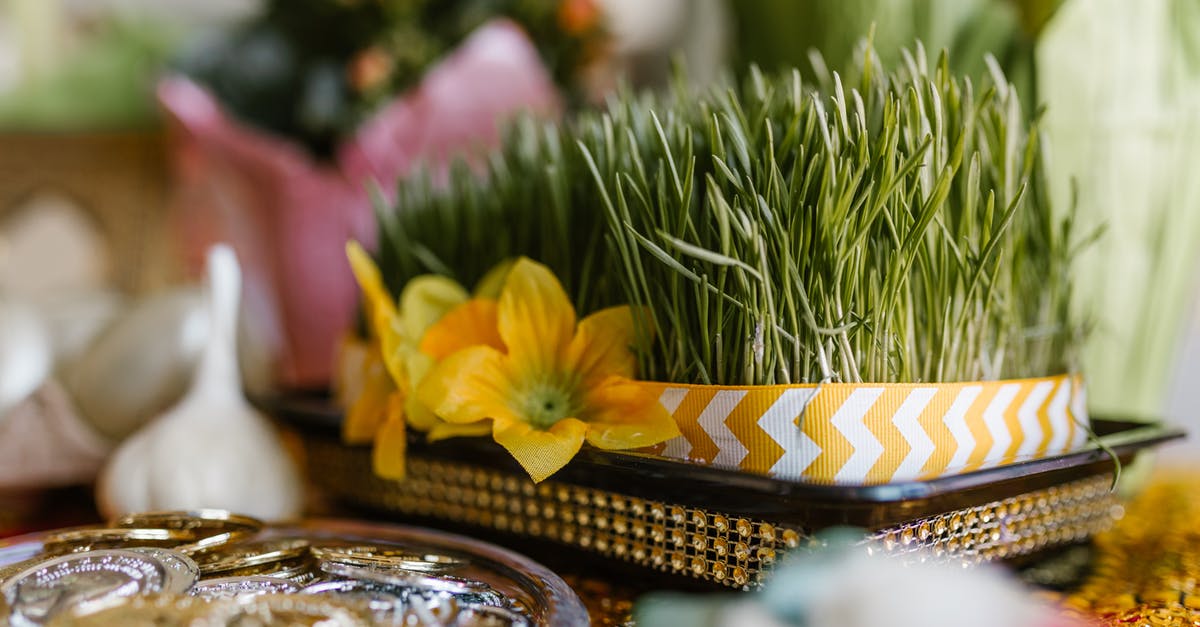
x,y
1024,524
736,551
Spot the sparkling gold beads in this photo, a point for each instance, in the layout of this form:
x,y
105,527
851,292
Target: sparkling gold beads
x,y
736,551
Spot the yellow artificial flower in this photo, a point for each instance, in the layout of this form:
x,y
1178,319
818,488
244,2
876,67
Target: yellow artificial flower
x,y
382,405
472,323
548,384
377,377
362,385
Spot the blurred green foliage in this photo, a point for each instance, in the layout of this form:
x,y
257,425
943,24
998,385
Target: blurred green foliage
x,y
777,34
313,69
106,83
1122,83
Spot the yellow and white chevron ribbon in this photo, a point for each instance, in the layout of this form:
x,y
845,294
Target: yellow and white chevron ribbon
x,y
858,433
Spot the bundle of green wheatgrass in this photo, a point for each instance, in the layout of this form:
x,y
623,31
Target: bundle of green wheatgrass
x,y
876,226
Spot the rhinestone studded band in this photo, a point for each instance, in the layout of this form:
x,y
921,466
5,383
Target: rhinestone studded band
x,y
1015,526
735,551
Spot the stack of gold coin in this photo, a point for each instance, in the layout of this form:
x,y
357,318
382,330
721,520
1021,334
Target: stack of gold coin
x,y
285,558
210,528
211,567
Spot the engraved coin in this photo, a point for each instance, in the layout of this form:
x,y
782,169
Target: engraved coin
x,y
384,602
214,568
212,527
84,581
385,557
481,615
182,571
399,605
233,587
381,593
156,611
213,542
204,519
264,609
9,570
251,554
406,579
303,575
90,539
297,569
299,609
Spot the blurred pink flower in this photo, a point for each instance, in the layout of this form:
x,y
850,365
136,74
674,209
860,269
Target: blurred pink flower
x,y
289,216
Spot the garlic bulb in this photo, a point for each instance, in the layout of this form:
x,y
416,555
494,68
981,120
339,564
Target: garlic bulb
x,y
212,449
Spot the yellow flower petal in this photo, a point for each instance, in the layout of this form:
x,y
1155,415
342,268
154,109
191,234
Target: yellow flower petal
x,y
391,443
536,320
540,453
472,323
492,283
362,386
378,301
468,386
416,366
424,300
446,430
603,346
369,407
419,416
380,310
625,415
392,347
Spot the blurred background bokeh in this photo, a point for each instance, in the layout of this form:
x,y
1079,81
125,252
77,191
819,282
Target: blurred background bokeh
x,y
134,133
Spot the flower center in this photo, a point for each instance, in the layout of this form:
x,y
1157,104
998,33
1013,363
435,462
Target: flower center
x,y
546,404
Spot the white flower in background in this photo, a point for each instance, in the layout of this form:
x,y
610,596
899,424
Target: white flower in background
x,y
844,585
870,590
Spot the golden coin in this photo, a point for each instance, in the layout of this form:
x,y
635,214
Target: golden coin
x,y
213,542
406,578
298,569
90,539
374,556
9,570
93,580
151,611
250,554
200,520
234,587
263,609
212,527
299,610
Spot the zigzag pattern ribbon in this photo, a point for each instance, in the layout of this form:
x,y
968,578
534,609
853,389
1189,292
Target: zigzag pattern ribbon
x,y
841,433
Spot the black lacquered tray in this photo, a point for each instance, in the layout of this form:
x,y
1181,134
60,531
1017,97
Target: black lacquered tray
x,y
723,526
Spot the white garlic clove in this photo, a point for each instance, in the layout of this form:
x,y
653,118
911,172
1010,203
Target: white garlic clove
x,y
212,449
213,458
